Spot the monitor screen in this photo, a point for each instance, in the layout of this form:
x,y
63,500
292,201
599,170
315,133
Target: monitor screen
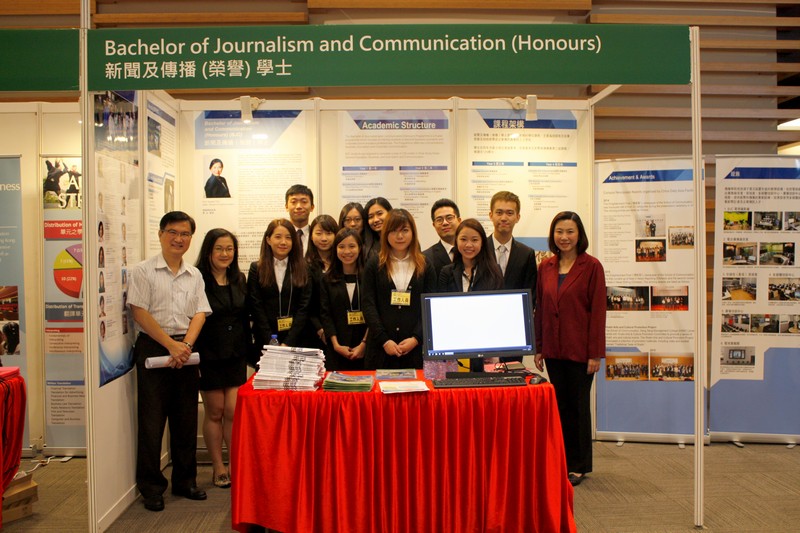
x,y
477,324
736,354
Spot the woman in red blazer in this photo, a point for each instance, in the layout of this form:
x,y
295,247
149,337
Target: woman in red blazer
x,y
570,323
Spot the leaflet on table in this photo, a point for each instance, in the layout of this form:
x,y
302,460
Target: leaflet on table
x,y
161,362
756,277
395,373
394,387
336,381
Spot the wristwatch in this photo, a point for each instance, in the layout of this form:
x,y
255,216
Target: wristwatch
x,y
189,344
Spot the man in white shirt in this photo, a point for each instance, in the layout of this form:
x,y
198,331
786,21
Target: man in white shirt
x,y
445,217
300,205
169,305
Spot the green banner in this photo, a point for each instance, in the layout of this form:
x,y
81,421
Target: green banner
x,y
361,55
39,60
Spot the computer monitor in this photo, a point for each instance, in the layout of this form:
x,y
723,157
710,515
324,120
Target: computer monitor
x,y
459,325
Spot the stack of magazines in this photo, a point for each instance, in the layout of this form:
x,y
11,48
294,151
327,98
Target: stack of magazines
x,y
336,381
287,368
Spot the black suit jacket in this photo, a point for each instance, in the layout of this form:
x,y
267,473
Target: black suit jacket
x,y
334,305
265,309
393,322
438,256
450,279
520,269
226,331
217,187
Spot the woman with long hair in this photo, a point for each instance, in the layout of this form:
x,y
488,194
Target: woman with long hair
x,y
570,324
278,287
394,280
223,343
340,299
376,210
474,267
319,256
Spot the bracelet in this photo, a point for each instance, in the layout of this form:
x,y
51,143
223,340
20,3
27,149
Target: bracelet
x,y
189,344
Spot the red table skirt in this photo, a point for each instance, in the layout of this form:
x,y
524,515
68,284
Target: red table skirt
x,y
12,422
462,460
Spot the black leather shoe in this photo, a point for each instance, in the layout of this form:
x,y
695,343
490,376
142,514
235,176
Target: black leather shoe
x,y
192,493
154,503
575,479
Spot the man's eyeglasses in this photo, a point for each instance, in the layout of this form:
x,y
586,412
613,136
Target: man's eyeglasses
x,y
183,234
441,220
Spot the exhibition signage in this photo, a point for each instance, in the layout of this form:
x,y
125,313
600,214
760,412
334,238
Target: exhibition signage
x,y
755,361
369,55
39,60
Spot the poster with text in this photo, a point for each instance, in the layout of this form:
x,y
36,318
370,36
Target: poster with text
x,y
755,348
242,170
118,214
161,169
402,155
645,240
65,394
535,159
13,332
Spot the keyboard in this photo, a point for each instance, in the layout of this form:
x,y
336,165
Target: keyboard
x,y
488,381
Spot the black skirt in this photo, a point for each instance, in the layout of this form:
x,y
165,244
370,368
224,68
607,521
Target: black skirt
x,y
222,373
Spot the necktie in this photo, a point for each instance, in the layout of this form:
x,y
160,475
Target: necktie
x,y
452,253
302,244
502,257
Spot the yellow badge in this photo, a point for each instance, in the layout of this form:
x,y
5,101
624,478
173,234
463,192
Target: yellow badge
x,y
285,323
401,298
354,318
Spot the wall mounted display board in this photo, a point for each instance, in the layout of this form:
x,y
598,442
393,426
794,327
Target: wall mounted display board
x,y
545,161
645,240
755,354
118,206
259,161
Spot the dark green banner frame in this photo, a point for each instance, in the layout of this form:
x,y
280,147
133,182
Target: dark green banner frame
x,y
39,60
383,55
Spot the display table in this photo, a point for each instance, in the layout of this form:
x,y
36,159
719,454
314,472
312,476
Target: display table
x,y
474,460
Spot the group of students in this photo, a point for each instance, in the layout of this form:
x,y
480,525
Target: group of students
x,y
352,287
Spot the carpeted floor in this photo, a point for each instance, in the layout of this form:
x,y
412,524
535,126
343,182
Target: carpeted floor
x,y
635,488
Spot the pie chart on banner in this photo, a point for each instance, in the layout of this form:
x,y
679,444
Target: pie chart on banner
x,y
68,270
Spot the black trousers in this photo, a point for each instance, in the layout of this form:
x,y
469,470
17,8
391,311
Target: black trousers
x,y
165,394
573,393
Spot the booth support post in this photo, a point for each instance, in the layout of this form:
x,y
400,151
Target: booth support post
x,y
700,278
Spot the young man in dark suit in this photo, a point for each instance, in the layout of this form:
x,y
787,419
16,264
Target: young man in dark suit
x,y
446,218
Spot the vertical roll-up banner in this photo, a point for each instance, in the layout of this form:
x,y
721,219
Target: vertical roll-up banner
x,y
65,394
646,244
755,349
12,288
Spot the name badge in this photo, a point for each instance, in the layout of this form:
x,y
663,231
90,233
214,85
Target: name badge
x,y
354,318
285,323
401,298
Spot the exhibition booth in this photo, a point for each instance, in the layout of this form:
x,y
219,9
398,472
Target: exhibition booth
x,y
140,152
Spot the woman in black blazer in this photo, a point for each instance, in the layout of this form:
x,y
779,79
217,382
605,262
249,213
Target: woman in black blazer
x,y
223,343
393,284
279,312
474,267
340,304
319,255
